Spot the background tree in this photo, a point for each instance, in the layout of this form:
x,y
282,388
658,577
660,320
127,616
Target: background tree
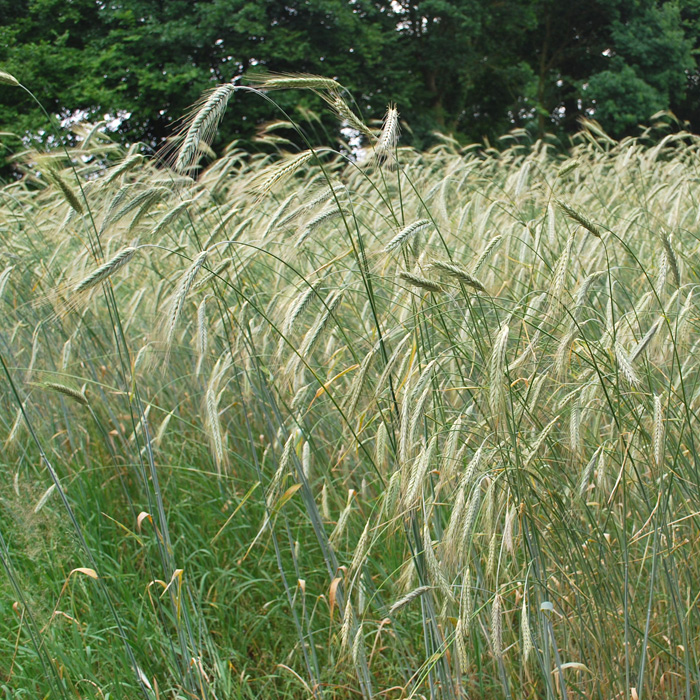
x,y
468,67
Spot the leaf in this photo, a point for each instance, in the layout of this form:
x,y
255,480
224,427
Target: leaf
x,y
284,498
177,576
332,593
322,389
90,573
85,571
141,517
268,518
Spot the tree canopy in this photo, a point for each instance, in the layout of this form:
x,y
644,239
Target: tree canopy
x,y
471,68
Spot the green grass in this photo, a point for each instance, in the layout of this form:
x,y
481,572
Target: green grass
x,y
332,408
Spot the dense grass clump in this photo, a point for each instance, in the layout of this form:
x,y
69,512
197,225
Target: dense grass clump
x,y
422,425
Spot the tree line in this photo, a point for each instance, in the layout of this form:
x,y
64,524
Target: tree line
x,y
470,68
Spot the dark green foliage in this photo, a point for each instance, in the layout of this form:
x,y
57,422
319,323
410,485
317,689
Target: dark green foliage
x,y
466,67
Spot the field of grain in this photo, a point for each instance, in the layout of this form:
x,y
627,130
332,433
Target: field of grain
x,y
306,426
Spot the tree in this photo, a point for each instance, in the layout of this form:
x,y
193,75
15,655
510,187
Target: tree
x,y
145,62
462,60
472,68
649,59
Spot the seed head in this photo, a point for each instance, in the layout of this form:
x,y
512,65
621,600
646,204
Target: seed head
x,y
7,79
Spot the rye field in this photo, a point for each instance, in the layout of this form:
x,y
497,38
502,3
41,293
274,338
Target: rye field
x,y
296,424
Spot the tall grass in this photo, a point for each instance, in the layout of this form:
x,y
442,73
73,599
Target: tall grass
x,y
422,425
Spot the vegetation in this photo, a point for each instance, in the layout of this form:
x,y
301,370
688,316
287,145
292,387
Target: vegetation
x,y
469,68
416,425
